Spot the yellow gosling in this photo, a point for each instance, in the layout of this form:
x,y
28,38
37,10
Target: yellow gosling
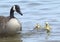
x,y
47,27
37,26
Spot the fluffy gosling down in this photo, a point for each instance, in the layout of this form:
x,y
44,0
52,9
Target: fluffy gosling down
x,y
47,27
37,27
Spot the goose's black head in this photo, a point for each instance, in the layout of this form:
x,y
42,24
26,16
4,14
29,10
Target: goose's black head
x,y
15,8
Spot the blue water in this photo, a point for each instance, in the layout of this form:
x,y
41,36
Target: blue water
x,y
35,11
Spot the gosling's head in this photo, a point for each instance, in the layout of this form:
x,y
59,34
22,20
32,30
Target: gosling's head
x,y
37,25
47,23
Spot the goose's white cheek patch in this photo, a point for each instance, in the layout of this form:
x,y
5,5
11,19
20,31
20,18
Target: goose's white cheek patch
x,y
14,8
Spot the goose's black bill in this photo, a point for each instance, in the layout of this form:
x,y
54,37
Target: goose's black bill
x,y
20,13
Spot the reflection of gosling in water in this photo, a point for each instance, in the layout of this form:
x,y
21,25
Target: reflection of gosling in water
x,y
47,27
37,27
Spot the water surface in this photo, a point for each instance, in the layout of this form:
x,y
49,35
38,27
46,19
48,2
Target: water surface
x,y
34,11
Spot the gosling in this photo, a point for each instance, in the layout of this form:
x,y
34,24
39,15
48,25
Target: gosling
x,y
37,27
47,27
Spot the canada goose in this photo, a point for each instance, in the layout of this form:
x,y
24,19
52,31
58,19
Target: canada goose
x,y
10,24
47,27
37,27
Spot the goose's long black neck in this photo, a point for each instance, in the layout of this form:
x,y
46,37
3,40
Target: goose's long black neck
x,y
11,13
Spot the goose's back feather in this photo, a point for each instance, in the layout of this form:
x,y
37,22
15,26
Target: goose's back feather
x,y
3,21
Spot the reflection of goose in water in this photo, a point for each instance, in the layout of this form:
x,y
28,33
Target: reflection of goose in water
x,y
16,38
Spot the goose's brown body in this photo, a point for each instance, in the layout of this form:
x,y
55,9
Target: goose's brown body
x,y
10,24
